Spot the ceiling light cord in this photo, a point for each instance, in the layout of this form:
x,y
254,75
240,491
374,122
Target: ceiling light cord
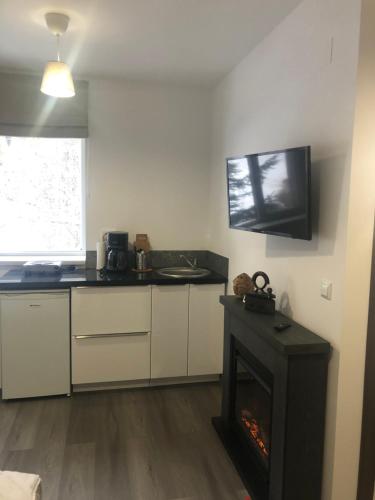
x,y
58,47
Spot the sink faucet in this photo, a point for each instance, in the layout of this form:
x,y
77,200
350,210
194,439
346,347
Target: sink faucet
x,y
193,264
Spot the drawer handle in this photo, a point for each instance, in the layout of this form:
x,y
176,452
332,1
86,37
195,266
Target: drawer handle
x,y
104,335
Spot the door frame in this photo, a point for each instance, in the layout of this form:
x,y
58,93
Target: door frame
x,y
366,475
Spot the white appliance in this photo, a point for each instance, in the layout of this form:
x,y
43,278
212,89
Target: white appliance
x,y
35,354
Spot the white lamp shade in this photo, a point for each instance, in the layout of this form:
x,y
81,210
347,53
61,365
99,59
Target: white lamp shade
x,y
57,80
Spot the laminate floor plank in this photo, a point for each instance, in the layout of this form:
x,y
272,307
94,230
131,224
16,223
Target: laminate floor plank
x,y
8,415
112,474
139,444
85,417
77,478
50,444
53,422
22,434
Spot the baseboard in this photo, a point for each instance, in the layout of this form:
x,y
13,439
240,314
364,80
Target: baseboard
x,y
105,386
135,384
184,380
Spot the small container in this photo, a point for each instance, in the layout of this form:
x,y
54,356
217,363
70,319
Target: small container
x,y
141,260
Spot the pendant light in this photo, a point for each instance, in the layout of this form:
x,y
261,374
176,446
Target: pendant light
x,y
57,79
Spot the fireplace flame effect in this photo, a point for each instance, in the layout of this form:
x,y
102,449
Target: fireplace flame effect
x,y
254,430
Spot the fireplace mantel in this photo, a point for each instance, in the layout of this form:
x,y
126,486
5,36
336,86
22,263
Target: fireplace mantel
x,y
297,361
294,340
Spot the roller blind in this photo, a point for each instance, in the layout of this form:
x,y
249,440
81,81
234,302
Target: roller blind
x,y
26,112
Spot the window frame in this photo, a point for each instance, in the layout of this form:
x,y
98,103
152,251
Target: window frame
x,y
71,257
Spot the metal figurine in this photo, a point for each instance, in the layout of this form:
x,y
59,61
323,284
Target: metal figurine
x,y
262,299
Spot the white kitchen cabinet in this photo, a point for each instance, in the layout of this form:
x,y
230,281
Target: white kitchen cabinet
x,y
111,309
169,343
110,358
117,336
206,330
110,334
187,330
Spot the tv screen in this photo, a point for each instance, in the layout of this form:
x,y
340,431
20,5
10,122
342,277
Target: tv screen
x,y
270,193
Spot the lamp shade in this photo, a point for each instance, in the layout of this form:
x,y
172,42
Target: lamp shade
x,y
57,80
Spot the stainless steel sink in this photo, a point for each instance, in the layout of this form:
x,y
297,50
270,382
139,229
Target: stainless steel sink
x,y
184,272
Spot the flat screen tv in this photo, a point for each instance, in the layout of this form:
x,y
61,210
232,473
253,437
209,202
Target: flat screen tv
x,y
270,193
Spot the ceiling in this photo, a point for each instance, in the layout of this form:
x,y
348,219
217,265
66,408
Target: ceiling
x,y
191,41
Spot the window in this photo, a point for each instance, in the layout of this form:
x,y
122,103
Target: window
x,y
41,202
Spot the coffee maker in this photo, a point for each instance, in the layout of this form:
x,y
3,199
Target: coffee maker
x,y
116,251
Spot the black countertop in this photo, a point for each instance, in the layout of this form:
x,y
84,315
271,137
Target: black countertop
x,y
294,340
14,280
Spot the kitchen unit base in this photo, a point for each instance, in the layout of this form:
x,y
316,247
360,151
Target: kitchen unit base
x,y
136,384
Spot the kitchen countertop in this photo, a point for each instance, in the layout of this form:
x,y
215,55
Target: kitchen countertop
x,y
14,280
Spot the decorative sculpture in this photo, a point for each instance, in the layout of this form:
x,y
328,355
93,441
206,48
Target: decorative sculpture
x,y
242,285
260,300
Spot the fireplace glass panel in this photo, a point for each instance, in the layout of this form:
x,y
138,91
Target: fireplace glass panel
x,y
253,410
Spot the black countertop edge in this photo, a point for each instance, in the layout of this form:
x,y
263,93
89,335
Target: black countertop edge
x,y
13,280
294,340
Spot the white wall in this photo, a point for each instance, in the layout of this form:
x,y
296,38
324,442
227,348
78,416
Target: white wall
x,y
360,226
294,90
148,153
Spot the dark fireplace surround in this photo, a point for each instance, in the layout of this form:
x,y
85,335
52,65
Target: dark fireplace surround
x,y
273,406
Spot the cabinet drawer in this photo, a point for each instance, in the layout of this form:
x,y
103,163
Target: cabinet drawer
x,y
111,310
110,358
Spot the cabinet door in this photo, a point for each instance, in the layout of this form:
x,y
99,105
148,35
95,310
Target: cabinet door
x,y
101,310
169,331
206,330
110,358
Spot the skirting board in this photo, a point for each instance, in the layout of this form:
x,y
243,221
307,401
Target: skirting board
x,y
135,384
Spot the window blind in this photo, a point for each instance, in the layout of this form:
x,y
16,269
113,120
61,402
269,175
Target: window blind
x,y
26,112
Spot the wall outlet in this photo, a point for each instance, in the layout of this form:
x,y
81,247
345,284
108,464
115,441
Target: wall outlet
x,y
326,289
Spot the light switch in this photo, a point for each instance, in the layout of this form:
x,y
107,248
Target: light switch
x,y
326,289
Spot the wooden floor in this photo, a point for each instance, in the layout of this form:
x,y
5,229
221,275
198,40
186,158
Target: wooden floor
x,y
134,444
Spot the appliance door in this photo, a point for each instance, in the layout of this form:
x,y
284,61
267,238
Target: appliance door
x,y
35,343
121,261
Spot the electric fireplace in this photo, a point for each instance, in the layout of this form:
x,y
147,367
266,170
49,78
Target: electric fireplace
x,y
252,407
273,404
